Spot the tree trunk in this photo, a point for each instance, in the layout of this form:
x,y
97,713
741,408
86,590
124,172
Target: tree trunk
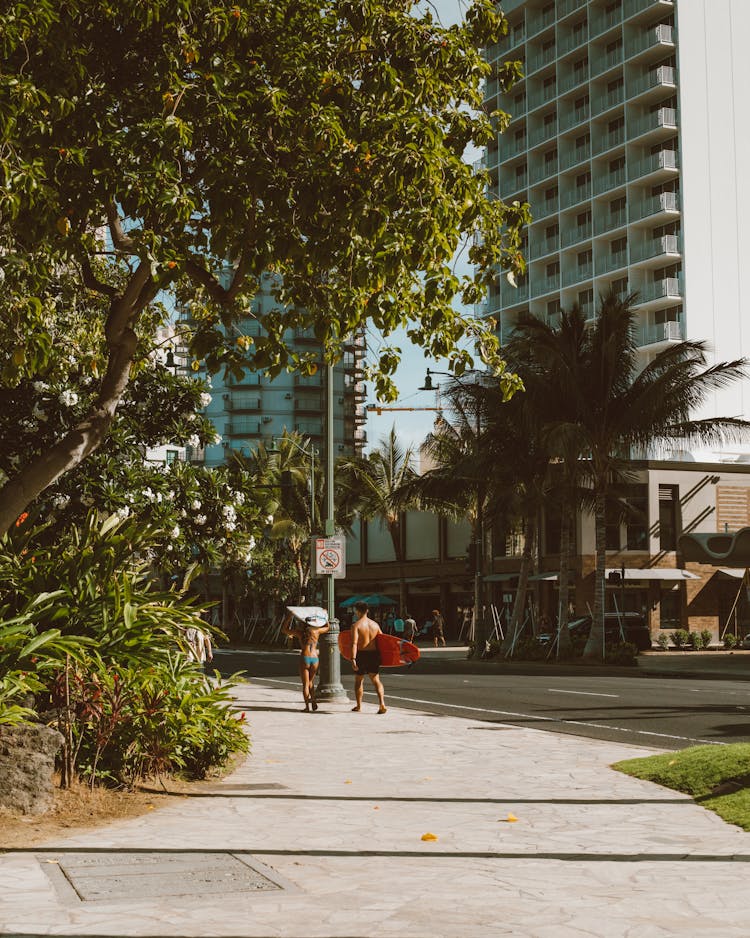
x,y
516,623
595,644
37,475
564,645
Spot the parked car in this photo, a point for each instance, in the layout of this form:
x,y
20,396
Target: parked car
x,y
628,625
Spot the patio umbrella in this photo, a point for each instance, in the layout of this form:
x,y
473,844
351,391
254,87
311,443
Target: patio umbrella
x,y
351,601
378,599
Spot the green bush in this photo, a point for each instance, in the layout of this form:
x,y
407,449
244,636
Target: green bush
x,y
680,638
708,636
662,640
730,640
529,649
696,641
88,633
623,653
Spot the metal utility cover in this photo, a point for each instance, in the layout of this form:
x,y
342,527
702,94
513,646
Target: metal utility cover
x,y
132,876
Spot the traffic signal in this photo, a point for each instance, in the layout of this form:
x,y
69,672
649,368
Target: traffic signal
x,y
287,488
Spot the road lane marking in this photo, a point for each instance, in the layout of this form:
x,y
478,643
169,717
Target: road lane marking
x,y
584,693
531,716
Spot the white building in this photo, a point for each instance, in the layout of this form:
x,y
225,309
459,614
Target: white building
x,y
627,138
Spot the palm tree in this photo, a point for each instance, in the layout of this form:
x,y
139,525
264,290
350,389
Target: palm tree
x,y
375,484
613,407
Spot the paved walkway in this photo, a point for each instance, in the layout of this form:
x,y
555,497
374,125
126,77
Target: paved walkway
x,y
329,812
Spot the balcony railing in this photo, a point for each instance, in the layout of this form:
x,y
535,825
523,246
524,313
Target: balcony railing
x,y
576,116
610,181
577,195
608,141
664,202
542,96
539,58
603,21
668,244
242,426
575,235
632,7
545,209
664,117
610,262
543,19
538,173
669,288
665,159
573,80
664,76
574,157
611,220
509,147
577,274
564,7
660,332
542,134
572,41
602,63
513,297
548,246
609,100
648,39
546,285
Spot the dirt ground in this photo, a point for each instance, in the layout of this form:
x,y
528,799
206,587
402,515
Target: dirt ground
x,y
79,809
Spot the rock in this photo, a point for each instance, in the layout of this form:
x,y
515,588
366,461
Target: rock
x,y
27,763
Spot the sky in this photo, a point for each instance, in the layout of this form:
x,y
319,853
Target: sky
x,y
413,426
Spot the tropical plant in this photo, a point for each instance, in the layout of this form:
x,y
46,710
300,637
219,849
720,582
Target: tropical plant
x,y
377,484
195,146
612,407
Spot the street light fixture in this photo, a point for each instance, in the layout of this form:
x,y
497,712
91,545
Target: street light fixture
x,y
480,635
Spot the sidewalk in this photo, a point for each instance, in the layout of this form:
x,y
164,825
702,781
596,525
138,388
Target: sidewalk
x,y
319,834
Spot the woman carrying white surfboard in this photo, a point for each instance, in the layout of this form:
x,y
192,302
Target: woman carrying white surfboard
x,y
308,632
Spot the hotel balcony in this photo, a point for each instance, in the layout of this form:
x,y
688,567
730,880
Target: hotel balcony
x,y
576,195
661,124
572,80
663,333
575,157
657,208
660,80
545,209
243,427
653,295
566,7
548,246
611,221
577,273
539,58
603,62
655,168
603,20
609,141
660,38
540,173
605,102
609,263
662,250
610,181
513,296
546,285
539,21
575,235
634,7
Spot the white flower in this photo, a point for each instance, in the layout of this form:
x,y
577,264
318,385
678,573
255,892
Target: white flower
x,y
39,386
68,398
269,519
176,531
123,513
250,544
147,493
60,501
239,498
205,399
194,441
158,497
216,439
200,519
230,526
196,505
229,513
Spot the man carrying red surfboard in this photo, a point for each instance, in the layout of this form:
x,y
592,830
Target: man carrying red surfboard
x,y
365,656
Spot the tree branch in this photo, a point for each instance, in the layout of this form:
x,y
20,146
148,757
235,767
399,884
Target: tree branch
x,y
120,240
92,281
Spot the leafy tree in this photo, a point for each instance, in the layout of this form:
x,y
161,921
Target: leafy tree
x,y
612,408
194,146
378,486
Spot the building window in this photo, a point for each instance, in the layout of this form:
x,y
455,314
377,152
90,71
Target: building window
x,y
669,500
615,166
636,505
669,609
620,287
551,231
172,456
553,269
553,309
549,158
583,218
584,258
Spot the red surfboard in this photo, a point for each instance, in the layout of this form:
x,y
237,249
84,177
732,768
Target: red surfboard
x,y
394,652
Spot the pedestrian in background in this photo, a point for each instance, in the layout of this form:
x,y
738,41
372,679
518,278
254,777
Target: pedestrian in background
x,y
410,627
199,647
438,628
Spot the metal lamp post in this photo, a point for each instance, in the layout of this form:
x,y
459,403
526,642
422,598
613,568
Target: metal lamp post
x,y
480,635
330,687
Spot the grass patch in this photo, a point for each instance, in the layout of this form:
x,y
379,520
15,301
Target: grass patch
x,y
717,777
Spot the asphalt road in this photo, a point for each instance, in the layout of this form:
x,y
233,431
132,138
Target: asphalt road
x,y
659,712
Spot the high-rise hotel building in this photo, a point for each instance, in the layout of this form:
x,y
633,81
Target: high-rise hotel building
x,y
629,139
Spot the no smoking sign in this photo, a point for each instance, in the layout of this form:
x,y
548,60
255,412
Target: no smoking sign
x,y
330,557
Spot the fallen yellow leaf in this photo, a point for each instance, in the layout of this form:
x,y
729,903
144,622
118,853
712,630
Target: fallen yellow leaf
x,y
348,782
672,762
511,817
429,837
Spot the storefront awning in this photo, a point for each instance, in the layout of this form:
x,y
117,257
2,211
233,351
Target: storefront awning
x,y
545,576
736,573
653,573
500,577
